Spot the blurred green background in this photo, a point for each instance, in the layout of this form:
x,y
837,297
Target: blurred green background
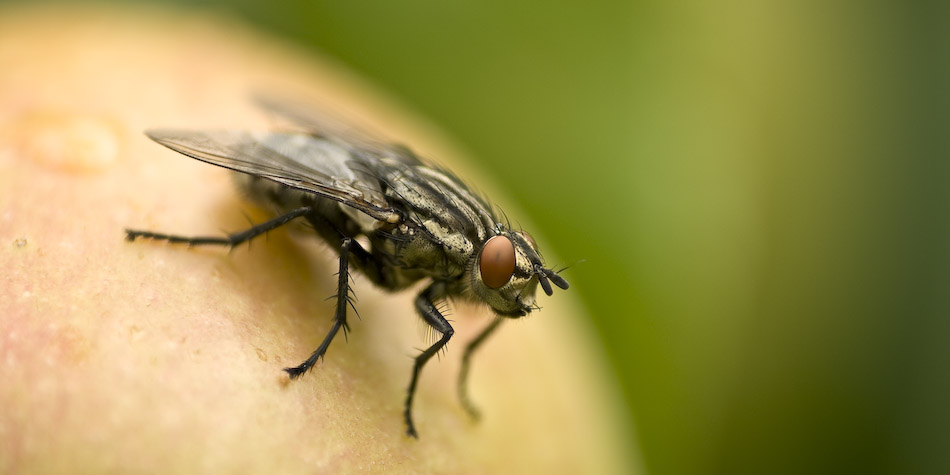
x,y
759,190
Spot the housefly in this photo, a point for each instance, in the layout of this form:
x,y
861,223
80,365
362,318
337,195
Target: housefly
x,y
420,222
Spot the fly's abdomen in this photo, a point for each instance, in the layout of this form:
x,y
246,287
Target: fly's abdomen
x,y
273,196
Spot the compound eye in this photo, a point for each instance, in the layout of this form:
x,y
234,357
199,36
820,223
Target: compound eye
x,y
497,262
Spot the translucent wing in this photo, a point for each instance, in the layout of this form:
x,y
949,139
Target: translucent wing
x,y
471,213
313,121
330,168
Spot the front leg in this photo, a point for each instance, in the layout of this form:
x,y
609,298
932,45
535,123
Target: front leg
x,y
426,308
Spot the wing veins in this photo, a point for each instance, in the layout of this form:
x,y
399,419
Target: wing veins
x,y
242,152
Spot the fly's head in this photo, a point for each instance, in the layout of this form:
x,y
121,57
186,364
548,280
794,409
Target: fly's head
x,y
507,271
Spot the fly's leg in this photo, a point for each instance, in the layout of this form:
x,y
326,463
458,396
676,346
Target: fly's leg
x,y
361,258
230,240
339,318
466,362
435,319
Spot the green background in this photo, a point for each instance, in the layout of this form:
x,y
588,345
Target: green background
x,y
759,189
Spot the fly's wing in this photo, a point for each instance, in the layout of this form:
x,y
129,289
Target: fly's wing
x,y
394,164
319,124
300,161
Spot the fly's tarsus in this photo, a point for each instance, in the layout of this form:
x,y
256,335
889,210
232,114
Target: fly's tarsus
x,y
132,234
231,240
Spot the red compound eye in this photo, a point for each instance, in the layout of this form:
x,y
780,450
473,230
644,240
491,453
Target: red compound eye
x,y
497,262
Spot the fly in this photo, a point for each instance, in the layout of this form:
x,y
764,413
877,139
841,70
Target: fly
x,y
421,223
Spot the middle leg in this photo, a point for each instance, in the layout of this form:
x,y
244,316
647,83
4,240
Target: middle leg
x,y
466,364
431,315
339,319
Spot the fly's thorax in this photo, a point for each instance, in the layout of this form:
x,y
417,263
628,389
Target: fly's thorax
x,y
427,249
454,244
437,202
501,273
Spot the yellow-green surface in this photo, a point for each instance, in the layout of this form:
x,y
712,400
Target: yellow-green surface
x,y
119,357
